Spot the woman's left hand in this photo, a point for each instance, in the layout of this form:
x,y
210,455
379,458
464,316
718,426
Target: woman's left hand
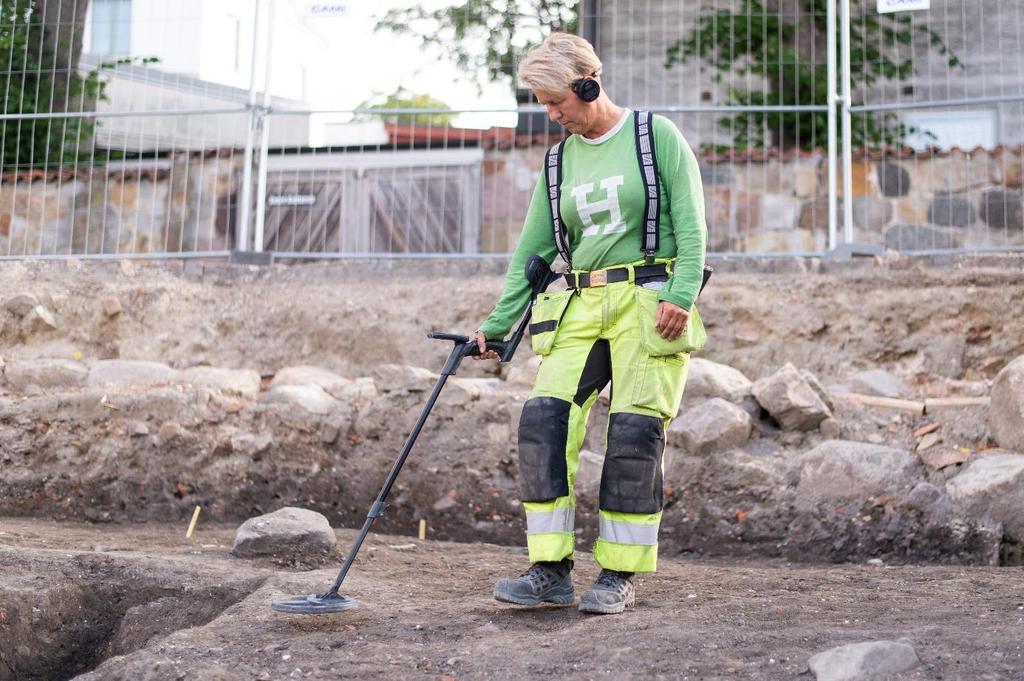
x,y
671,320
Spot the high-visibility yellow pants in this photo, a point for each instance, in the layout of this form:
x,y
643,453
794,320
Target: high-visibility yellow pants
x,y
596,338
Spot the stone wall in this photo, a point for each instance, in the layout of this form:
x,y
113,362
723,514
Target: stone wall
x,y
182,206
761,203
756,203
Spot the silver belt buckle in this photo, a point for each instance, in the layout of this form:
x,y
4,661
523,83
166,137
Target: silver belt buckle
x,y
598,278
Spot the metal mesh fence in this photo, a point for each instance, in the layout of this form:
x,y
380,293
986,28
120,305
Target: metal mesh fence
x,y
151,129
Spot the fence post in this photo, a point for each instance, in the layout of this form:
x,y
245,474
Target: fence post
x,y
833,142
261,182
245,202
847,129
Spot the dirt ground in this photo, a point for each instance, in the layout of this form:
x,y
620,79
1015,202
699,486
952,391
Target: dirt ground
x,y
124,599
425,612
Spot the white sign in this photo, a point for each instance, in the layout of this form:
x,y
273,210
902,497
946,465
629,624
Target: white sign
x,y
328,9
291,200
885,6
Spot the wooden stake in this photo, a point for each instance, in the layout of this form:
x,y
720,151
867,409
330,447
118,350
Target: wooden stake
x,y
192,525
423,529
888,402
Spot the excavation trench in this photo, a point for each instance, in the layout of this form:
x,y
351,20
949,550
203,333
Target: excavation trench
x,y
63,617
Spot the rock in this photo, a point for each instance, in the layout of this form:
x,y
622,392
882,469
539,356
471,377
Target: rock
x,y
1006,410
588,475
871,213
950,210
444,503
286,535
751,475
525,373
360,391
111,306
880,383
242,382
461,391
893,179
401,378
711,426
38,320
938,458
830,428
138,429
127,372
992,486
252,445
312,398
839,470
310,375
705,378
21,304
902,237
931,501
791,400
47,374
1002,209
864,661
819,389
168,431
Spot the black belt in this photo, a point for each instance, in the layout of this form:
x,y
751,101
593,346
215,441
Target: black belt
x,y
641,275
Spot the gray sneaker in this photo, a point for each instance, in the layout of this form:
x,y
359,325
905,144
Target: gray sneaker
x,y
612,593
541,583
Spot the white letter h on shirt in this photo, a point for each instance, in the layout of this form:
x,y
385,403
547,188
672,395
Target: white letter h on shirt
x,y
611,204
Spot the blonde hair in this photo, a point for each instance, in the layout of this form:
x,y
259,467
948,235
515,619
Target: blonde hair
x,y
561,59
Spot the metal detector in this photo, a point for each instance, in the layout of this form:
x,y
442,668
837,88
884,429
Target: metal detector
x,y
539,275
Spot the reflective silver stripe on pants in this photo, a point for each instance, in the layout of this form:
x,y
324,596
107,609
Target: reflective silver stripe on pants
x,y
628,533
558,520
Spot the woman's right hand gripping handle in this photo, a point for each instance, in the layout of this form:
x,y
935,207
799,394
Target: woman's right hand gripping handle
x,y
481,342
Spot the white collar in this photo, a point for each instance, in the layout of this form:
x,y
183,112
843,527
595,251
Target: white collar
x,y
611,133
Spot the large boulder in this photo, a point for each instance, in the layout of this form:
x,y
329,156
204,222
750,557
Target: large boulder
x,y
242,382
705,378
310,375
792,400
21,304
128,373
992,487
864,661
288,536
711,426
1006,410
402,378
310,397
48,374
841,470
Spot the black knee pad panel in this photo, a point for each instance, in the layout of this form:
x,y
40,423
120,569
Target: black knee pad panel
x,y
543,432
631,481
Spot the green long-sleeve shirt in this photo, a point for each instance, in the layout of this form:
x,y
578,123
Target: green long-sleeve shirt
x,y
602,206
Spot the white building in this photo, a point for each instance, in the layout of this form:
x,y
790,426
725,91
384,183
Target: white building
x,y
203,59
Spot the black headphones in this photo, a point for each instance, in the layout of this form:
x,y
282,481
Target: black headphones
x,y
587,88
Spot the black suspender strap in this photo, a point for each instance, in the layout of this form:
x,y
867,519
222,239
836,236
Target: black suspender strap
x,y
553,174
644,135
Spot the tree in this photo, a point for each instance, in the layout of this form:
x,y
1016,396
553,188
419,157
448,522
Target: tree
x,y
486,38
40,45
767,38
403,99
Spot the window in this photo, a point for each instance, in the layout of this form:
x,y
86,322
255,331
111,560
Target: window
x,y
946,129
111,27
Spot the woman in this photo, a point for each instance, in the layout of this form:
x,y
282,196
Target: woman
x,y
635,274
